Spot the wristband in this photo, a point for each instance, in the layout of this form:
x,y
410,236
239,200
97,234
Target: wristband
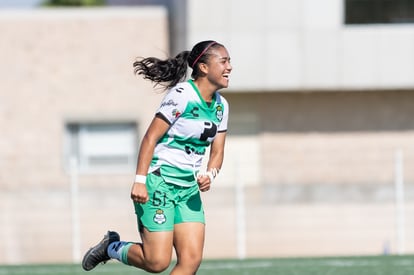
x,y
214,172
140,179
210,175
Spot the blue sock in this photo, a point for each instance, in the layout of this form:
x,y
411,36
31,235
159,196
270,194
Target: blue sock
x,y
115,250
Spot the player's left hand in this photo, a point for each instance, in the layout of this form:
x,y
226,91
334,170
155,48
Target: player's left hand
x,y
204,183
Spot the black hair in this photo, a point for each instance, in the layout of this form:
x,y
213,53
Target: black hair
x,y
171,71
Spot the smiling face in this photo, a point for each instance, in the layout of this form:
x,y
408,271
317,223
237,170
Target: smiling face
x,y
219,67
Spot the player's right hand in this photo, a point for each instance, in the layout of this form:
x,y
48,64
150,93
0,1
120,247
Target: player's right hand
x,y
139,193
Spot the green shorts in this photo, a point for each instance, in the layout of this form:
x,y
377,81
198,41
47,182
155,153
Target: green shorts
x,y
169,204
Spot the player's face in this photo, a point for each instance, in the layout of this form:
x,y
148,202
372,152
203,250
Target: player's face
x,y
219,67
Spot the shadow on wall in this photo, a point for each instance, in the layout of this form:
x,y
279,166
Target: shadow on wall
x,y
368,111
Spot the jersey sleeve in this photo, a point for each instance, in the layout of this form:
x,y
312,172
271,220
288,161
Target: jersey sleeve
x,y
172,105
223,124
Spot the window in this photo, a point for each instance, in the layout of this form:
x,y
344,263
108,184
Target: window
x,y
379,11
101,147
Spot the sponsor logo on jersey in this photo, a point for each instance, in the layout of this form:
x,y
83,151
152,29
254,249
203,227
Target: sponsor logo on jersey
x,y
191,150
169,103
194,110
159,217
176,113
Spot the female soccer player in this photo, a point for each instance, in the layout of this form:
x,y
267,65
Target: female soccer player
x,y
166,191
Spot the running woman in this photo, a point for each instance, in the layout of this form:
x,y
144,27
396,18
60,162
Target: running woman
x,y
166,192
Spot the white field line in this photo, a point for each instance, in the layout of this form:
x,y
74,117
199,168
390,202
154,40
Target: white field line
x,y
327,262
236,265
37,270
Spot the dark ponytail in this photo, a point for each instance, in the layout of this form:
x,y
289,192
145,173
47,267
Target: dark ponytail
x,y
166,73
171,71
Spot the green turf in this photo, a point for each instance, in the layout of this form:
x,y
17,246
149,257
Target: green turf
x,y
379,265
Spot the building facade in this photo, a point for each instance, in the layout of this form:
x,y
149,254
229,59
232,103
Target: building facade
x,y
69,96
320,128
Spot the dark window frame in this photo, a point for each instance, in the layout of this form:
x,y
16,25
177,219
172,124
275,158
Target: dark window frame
x,y
378,12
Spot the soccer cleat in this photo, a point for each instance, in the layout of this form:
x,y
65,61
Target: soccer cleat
x,y
98,254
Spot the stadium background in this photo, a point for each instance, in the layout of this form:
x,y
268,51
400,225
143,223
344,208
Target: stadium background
x,y
321,124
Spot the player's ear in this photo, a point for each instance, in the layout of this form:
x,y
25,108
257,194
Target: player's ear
x,y
203,68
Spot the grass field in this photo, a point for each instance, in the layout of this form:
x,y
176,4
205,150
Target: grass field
x,y
378,265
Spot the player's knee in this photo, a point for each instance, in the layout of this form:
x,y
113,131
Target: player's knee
x,y
190,261
158,265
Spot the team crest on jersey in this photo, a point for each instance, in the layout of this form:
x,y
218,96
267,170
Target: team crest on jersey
x,y
176,113
159,217
219,112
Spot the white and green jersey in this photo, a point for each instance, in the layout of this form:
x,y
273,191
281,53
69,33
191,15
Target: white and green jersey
x,y
193,126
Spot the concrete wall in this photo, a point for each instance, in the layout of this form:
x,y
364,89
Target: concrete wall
x,y
303,45
317,112
324,181
310,138
58,66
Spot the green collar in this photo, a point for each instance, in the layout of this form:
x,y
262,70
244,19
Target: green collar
x,y
213,101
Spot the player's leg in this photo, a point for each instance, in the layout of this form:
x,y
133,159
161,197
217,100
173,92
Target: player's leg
x,y
189,244
156,224
189,230
154,253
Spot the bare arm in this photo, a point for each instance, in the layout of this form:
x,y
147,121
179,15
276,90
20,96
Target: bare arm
x,y
155,131
215,161
217,152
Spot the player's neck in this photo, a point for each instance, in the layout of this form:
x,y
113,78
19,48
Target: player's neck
x,y
206,89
